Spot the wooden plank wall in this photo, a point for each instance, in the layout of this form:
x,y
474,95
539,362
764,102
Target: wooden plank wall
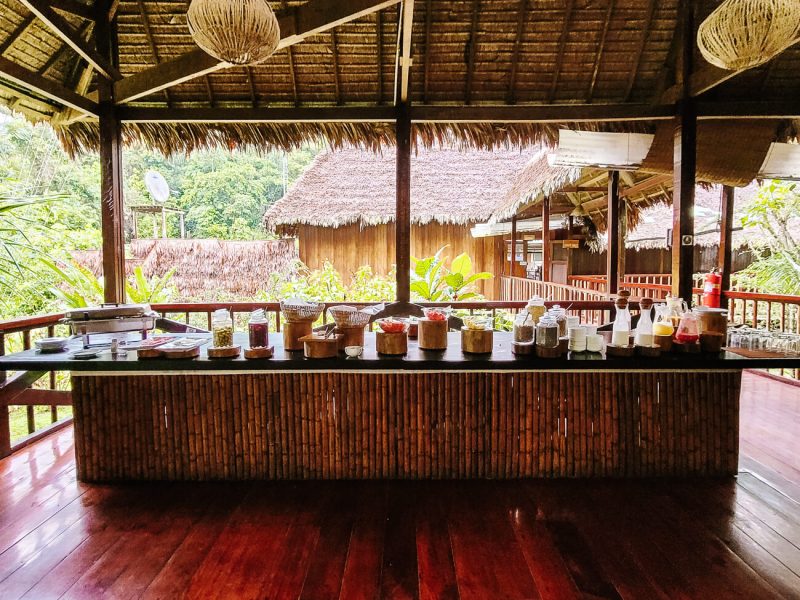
x,y
348,247
653,260
406,425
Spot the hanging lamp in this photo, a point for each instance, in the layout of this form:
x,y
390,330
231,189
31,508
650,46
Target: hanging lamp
x,y
239,32
741,34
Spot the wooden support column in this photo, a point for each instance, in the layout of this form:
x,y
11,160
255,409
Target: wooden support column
x,y
402,230
513,257
613,228
724,258
547,253
111,203
684,169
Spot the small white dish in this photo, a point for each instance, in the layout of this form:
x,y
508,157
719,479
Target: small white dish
x,y
51,344
353,351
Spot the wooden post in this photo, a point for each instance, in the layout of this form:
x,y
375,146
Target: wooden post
x,y
402,230
725,242
613,228
111,202
685,164
513,260
547,254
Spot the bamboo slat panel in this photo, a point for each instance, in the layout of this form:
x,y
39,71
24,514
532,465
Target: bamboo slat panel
x,y
406,425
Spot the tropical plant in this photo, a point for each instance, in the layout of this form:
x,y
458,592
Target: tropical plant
x,y
775,211
433,281
142,290
78,287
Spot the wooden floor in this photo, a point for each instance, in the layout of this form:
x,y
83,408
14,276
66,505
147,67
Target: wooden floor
x,y
557,539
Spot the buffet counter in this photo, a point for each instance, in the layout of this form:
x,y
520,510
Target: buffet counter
x,y
425,415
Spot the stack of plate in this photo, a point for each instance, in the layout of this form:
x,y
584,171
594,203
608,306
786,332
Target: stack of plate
x,y
52,344
577,339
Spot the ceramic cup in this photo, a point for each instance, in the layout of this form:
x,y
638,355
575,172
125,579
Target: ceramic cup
x,y
353,351
594,343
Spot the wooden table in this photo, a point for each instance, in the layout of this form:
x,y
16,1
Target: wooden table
x,y
426,415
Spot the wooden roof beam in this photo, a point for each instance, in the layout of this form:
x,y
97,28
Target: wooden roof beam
x,y
471,47
74,7
45,87
337,80
58,25
379,57
334,114
150,40
562,42
599,56
403,61
427,68
290,56
543,113
511,94
651,7
18,31
311,18
56,56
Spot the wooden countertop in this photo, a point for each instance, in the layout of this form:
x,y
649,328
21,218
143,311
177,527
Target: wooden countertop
x,y
452,359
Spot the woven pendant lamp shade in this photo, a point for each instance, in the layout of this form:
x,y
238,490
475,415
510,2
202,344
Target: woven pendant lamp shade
x,y
741,34
239,32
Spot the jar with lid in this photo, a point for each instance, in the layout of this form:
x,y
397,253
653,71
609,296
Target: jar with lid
x,y
621,330
560,315
258,329
547,332
222,329
536,309
523,328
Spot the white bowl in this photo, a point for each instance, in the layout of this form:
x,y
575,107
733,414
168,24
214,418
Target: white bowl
x,y
353,351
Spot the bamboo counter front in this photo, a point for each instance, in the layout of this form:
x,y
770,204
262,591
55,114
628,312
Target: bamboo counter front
x,y
428,415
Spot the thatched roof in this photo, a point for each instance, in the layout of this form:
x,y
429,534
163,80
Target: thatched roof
x,y
465,53
356,186
206,269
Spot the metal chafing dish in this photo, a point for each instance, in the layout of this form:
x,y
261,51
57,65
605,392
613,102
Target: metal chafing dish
x,y
110,318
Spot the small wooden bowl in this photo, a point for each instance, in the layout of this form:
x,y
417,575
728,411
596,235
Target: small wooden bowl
x,y
653,351
432,334
523,348
620,351
664,342
224,352
476,341
391,344
684,348
253,353
544,352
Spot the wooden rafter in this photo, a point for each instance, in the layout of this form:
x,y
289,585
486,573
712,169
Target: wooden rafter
x,y
290,56
58,25
427,67
150,40
252,85
334,114
601,47
403,61
379,57
45,87
312,18
562,42
337,80
74,7
470,50
209,91
14,35
58,54
651,7
522,10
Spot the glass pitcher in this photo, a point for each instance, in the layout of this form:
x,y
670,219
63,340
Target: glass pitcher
x,y
663,323
688,328
677,308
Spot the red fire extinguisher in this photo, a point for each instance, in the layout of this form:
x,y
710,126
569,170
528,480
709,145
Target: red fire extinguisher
x,y
712,288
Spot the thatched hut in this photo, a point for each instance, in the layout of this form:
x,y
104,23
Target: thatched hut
x,y
206,269
342,209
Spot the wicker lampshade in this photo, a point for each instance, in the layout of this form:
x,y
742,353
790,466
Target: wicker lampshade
x,y
741,34
240,32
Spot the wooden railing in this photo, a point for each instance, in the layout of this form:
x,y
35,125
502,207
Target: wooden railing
x,y
16,390
767,311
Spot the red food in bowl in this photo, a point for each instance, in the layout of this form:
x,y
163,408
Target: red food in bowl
x,y
392,326
436,315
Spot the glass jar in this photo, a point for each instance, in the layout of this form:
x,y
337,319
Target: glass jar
x,y
258,329
560,315
221,329
536,309
547,332
523,328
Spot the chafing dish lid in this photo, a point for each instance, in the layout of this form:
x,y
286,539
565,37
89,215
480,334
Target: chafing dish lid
x,y
108,311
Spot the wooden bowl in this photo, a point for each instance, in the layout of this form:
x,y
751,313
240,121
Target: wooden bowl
x,y
432,334
476,341
523,348
620,351
254,353
545,352
224,352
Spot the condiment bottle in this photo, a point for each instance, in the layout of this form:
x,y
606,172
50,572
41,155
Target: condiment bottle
x,y
221,329
258,329
644,328
523,328
621,330
536,309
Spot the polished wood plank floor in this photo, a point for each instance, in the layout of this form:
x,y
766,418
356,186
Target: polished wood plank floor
x,y
529,539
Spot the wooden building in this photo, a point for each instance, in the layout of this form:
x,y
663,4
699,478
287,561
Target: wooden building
x,y
342,209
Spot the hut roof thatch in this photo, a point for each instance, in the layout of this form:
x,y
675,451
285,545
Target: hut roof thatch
x,y
355,186
465,53
206,269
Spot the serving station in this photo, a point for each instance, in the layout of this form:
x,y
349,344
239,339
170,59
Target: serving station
x,y
424,414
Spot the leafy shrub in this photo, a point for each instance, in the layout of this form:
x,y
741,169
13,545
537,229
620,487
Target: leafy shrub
x,y
433,281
